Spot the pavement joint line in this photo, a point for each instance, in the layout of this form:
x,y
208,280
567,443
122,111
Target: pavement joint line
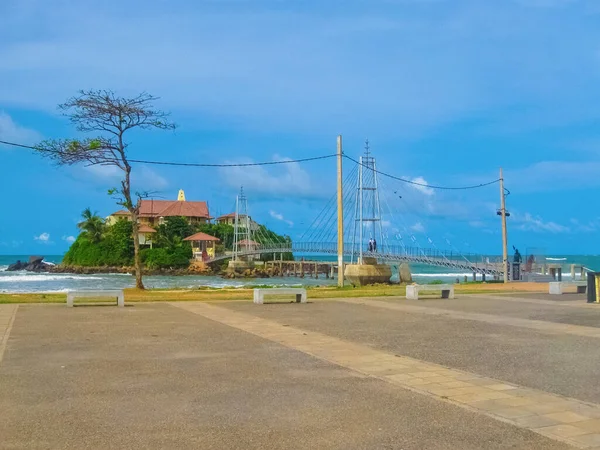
x,y
5,330
538,325
550,415
535,301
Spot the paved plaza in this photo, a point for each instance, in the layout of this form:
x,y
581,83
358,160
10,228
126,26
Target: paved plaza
x,y
477,372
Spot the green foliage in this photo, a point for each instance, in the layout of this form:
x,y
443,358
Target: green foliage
x,y
222,231
172,232
158,258
114,249
101,245
436,282
92,225
266,236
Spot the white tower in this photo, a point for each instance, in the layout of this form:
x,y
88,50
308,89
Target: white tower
x,y
242,232
368,210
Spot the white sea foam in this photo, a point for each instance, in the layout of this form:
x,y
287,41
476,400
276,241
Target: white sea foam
x,y
20,277
29,291
3,268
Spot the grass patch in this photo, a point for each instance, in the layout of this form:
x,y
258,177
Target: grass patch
x,y
314,292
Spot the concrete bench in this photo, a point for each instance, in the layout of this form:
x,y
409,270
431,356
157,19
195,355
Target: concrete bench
x,y
112,293
412,290
259,294
558,287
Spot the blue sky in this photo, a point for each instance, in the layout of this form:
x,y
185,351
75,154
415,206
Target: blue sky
x,y
446,91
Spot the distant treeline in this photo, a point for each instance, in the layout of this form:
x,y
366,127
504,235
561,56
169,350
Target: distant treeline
x,y
100,244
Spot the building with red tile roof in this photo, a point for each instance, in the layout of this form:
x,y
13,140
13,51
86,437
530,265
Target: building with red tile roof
x,y
153,212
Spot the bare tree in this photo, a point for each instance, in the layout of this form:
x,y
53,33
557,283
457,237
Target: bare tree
x,y
109,116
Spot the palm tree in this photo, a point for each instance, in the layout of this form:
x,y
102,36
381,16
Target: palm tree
x,y
92,225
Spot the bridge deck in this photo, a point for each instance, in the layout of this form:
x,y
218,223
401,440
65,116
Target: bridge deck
x,y
434,257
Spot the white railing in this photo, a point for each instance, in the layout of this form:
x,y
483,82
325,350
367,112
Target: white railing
x,y
451,259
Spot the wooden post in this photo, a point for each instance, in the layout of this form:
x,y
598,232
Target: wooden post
x,y
340,215
316,270
504,231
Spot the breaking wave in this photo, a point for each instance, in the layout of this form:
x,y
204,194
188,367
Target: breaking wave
x,y
40,277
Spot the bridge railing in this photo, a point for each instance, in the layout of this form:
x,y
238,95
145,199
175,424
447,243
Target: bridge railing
x,y
330,248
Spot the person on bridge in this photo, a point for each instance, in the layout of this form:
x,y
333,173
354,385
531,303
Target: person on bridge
x,y
374,245
371,245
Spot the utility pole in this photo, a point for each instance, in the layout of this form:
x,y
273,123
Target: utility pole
x,y
340,210
504,232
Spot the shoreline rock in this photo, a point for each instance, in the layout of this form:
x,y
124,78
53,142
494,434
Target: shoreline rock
x,y
35,264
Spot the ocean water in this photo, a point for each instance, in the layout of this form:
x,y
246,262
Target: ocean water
x,y
50,282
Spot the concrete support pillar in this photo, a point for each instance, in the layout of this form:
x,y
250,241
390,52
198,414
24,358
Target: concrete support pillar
x,y
483,277
301,270
316,271
572,272
474,276
559,273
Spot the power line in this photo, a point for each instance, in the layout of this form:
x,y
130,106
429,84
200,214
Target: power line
x,y
416,183
169,163
271,163
264,163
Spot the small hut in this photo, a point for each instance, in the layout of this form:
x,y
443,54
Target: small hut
x,y
145,233
203,245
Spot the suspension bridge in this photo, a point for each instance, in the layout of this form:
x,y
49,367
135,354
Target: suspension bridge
x,y
363,221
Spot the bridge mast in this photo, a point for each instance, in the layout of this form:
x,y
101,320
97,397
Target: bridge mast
x,y
368,206
340,208
242,223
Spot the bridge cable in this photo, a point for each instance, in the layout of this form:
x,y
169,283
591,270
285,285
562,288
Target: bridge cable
x,y
416,183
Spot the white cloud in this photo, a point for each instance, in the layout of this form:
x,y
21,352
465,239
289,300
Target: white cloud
x,y
280,217
419,187
280,181
528,222
69,239
143,178
589,227
418,227
12,132
255,62
43,238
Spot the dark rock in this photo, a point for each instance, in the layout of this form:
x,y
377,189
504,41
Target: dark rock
x,y
36,264
35,259
16,266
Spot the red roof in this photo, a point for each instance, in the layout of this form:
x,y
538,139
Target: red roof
x,y
171,208
143,228
202,237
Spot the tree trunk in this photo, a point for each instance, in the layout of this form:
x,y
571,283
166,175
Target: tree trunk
x,y
136,252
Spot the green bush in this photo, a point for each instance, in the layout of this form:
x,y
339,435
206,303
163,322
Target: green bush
x,y
161,258
114,249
